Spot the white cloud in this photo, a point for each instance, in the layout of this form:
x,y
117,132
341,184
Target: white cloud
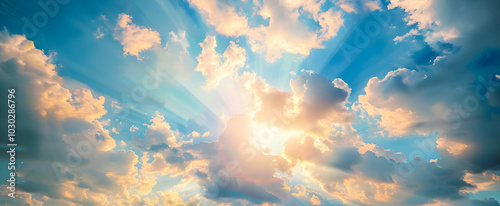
x,y
421,13
308,71
107,143
314,103
214,66
115,131
206,134
71,154
315,200
285,32
180,38
195,134
425,15
395,118
133,128
412,32
372,5
36,71
158,132
134,39
348,7
223,16
98,34
453,147
486,181
330,22
439,59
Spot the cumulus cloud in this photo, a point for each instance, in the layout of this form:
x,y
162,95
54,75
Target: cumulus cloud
x,y
158,132
70,157
452,98
285,33
346,167
162,150
424,15
214,66
315,102
195,134
315,200
231,168
352,189
180,38
406,104
166,152
395,117
486,181
223,16
172,198
347,6
345,173
133,38
444,20
324,147
412,32
372,5
29,67
452,147
421,13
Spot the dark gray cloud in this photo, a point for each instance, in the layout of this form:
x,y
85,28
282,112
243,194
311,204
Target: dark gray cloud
x,y
345,158
376,167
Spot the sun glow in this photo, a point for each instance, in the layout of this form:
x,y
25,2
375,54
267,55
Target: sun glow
x,y
271,138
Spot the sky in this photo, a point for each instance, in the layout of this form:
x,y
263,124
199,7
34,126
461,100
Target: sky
x,y
252,102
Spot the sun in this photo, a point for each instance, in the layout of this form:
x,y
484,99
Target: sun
x,y
271,138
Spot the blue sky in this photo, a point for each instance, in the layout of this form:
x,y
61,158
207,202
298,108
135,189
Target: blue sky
x,y
348,102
